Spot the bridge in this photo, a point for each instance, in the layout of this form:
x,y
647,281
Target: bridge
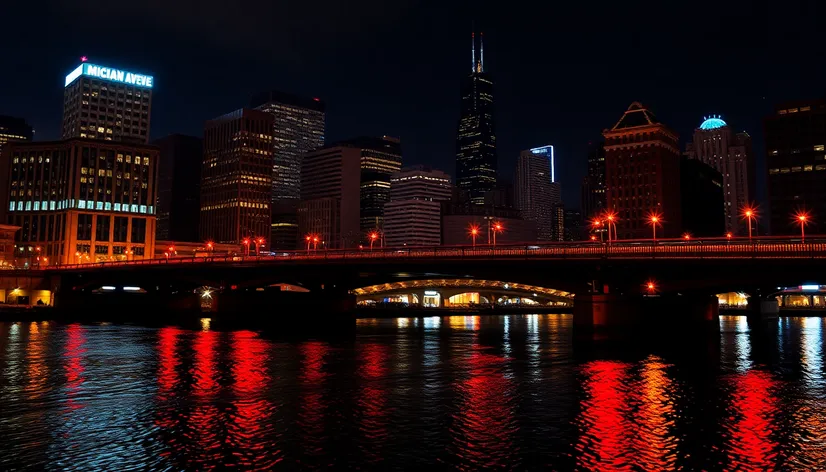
x,y
600,276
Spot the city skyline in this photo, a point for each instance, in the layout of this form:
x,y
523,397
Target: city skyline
x,y
561,98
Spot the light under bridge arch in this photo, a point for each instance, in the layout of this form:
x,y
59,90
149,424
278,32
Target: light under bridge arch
x,y
446,292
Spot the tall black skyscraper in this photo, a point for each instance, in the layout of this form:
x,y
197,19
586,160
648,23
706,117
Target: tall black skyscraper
x,y
593,185
476,142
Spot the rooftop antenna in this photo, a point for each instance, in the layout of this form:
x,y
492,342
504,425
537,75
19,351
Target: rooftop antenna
x,y
481,52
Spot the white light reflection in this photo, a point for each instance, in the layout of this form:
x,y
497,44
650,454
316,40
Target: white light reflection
x,y
432,322
812,355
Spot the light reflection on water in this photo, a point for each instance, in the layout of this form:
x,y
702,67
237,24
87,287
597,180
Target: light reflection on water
x,y
463,392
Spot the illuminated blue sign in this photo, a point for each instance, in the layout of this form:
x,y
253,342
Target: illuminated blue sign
x,y
108,73
547,151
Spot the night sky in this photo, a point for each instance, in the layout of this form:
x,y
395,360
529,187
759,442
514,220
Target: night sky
x,y
563,71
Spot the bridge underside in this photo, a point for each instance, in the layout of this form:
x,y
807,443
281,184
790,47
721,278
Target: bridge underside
x,y
457,292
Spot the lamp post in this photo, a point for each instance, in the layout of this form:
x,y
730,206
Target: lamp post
x,y
655,220
315,243
308,238
373,236
497,227
258,243
210,246
596,224
750,214
171,250
474,231
612,219
246,242
803,219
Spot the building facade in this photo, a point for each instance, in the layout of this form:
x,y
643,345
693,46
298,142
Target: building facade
x,y
593,184
537,194
642,174
330,198
476,159
179,187
105,103
728,153
14,129
298,128
796,161
81,200
702,196
380,158
236,177
412,217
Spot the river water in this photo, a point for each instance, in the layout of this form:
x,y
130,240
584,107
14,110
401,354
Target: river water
x,y
462,393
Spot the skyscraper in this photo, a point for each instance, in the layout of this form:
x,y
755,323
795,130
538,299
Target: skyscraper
x,y
537,194
413,215
796,161
729,154
380,158
298,128
236,177
179,187
593,185
14,129
642,174
106,103
82,200
476,161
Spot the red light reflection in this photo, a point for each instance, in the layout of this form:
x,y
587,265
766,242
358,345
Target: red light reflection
x,y
372,400
311,411
74,355
751,426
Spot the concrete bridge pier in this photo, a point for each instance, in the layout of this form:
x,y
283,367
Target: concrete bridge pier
x,y
761,308
607,312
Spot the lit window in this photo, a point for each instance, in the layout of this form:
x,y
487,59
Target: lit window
x,y
808,168
81,204
84,170
820,147
146,160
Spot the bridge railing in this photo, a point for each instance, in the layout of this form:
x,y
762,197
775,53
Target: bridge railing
x,y
715,248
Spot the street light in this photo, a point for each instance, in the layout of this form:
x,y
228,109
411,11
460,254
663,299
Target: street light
x,y
686,236
474,231
171,250
308,238
750,214
612,221
651,286
597,224
373,237
655,221
259,242
803,219
315,242
210,246
246,243
497,228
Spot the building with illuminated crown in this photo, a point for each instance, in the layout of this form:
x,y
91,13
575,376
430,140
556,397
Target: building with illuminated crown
x,y
537,194
729,153
81,200
236,177
14,129
106,103
642,174
413,216
476,159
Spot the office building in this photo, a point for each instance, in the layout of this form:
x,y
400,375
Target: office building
x,y
81,200
380,158
537,194
593,184
236,177
702,197
330,197
412,217
476,160
105,103
642,174
574,226
729,153
298,128
179,187
14,129
796,161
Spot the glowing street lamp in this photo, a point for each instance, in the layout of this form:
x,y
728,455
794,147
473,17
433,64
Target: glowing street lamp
x,y
474,231
210,246
728,235
308,238
597,224
315,242
373,237
750,214
651,286
497,228
611,218
803,219
687,236
655,220
246,243
258,243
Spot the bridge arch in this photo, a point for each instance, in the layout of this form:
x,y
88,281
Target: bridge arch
x,y
446,292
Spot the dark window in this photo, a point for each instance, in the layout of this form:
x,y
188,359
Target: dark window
x,y
138,230
101,249
117,250
102,228
84,227
121,227
138,251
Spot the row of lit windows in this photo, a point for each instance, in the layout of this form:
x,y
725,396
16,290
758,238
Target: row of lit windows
x,y
806,168
793,110
816,147
52,205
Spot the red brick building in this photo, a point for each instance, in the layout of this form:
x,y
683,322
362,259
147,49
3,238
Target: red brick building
x,y
642,174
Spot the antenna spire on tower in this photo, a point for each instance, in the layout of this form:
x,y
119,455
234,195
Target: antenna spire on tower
x,y
481,52
472,51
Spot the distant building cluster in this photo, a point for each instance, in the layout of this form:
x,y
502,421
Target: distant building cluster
x,y
264,178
